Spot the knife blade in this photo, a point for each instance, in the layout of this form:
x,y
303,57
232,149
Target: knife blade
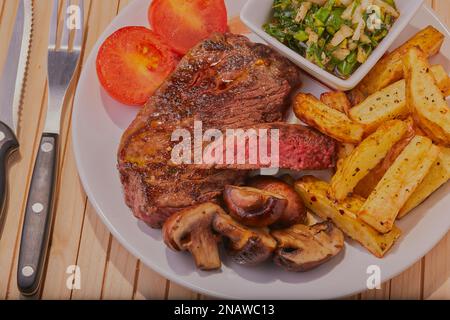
x,y
11,90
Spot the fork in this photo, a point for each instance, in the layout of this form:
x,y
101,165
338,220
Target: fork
x,y
63,61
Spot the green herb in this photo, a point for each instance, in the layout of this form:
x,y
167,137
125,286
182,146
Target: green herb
x,y
296,29
301,36
347,66
335,21
391,3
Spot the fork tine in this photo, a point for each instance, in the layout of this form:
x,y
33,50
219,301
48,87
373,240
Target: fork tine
x,y
65,31
78,42
54,26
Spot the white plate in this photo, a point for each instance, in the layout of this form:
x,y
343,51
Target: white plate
x,y
98,123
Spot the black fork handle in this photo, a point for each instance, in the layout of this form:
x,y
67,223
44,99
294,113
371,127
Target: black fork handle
x,y
38,216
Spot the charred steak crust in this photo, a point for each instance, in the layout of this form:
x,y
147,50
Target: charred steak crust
x,y
226,81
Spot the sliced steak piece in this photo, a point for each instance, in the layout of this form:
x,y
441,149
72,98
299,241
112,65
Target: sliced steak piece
x,y
225,82
299,148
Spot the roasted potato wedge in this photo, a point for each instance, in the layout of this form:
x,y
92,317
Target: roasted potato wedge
x,y
442,79
390,68
366,186
365,157
344,150
398,184
344,216
438,175
326,119
337,100
390,102
384,105
425,99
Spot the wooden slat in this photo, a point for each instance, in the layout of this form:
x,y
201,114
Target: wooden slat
x,y
6,25
442,293
436,264
121,266
442,8
408,285
437,268
95,240
19,172
123,4
377,294
2,7
66,231
150,285
120,275
177,292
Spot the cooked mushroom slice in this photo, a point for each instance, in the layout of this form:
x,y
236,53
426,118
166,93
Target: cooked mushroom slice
x,y
302,248
191,230
253,207
295,211
246,246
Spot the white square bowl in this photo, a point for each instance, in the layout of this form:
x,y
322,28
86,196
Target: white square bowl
x,y
258,12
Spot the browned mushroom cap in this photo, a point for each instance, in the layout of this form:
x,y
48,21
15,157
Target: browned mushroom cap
x,y
253,207
191,230
295,212
246,246
302,248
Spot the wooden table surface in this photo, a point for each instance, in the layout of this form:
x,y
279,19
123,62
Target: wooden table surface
x,y
79,238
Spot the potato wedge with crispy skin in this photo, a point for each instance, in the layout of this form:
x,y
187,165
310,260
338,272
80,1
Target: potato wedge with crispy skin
x,y
366,186
344,150
398,184
366,157
442,79
438,176
426,101
390,68
384,105
390,102
344,215
337,100
326,119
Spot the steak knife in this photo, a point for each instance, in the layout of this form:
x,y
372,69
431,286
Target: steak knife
x,y
11,89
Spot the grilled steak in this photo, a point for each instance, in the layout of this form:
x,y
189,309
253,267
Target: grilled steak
x,y
225,82
299,148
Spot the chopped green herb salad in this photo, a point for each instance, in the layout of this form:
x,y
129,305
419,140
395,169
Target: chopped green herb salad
x,y
336,35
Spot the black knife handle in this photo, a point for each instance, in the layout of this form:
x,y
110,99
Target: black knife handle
x,y
8,144
38,216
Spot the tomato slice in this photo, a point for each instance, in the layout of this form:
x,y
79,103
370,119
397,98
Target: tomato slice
x,y
132,63
184,23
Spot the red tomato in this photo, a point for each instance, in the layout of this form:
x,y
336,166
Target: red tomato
x,y
184,23
132,63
